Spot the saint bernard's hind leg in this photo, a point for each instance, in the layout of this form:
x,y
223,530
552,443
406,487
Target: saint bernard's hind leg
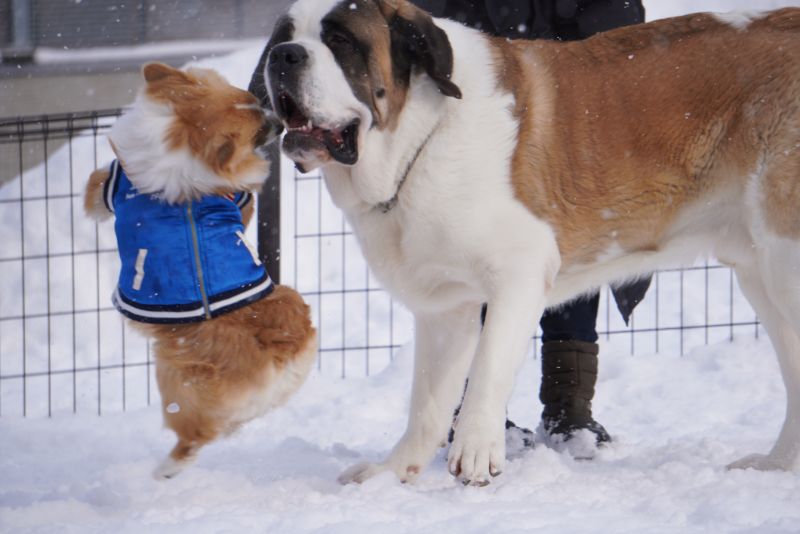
x,y
517,299
774,292
444,346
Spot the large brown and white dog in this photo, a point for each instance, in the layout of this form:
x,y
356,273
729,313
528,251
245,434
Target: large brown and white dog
x,y
525,173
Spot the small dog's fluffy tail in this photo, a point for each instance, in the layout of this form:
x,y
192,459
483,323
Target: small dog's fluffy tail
x,y
93,198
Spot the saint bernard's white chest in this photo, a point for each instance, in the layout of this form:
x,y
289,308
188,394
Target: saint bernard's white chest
x,y
454,218
457,218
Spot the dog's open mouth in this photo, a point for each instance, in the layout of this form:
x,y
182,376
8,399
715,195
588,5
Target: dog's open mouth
x,y
302,133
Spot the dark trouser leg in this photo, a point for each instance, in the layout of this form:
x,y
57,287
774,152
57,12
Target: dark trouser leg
x,y
569,369
574,322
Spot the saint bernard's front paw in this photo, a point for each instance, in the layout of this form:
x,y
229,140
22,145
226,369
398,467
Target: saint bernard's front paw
x,y
362,472
762,462
478,449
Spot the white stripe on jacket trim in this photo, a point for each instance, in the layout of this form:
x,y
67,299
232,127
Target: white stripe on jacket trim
x,y
108,198
247,196
241,296
197,312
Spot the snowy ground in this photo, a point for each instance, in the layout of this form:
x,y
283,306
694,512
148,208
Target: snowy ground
x,y
676,422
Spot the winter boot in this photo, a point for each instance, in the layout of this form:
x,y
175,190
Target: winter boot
x,y
569,373
518,439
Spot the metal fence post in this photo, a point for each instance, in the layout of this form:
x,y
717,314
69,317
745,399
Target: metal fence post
x,y
269,217
21,48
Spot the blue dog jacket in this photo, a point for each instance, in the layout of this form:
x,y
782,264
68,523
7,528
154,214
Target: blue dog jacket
x,y
181,263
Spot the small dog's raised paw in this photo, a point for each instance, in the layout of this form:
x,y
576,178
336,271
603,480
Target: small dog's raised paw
x,y
170,468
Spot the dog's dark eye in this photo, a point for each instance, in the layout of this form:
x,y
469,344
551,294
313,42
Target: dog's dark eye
x,y
338,39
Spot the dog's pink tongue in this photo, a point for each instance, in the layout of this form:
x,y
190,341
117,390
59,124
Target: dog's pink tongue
x,y
336,137
319,134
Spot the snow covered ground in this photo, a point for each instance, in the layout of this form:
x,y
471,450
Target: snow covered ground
x,y
676,422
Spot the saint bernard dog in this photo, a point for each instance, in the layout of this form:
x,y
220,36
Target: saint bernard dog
x,y
525,173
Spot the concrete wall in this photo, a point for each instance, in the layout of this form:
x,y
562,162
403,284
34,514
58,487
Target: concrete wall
x,y
27,89
63,93
87,23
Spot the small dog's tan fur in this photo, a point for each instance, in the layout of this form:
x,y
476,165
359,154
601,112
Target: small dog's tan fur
x,y
213,369
93,198
215,375
215,120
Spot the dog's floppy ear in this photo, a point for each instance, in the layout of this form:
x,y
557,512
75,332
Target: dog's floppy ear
x,y
415,36
225,152
217,152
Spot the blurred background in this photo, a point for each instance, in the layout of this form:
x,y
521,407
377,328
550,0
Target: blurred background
x,y
71,55
76,55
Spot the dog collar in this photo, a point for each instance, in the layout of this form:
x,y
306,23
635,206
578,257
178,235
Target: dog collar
x,y
388,205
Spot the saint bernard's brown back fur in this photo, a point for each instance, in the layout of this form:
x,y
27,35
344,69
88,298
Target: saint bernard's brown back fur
x,y
651,119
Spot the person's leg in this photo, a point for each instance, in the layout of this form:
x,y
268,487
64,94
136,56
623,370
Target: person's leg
x,y
569,369
575,321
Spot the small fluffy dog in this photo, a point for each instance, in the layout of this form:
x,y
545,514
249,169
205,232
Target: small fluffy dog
x,y
229,344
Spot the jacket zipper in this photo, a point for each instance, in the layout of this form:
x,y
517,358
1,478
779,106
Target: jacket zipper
x,y
196,243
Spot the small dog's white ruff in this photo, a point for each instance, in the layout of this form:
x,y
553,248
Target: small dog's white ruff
x,y
153,168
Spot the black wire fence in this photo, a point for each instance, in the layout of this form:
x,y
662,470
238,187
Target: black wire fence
x,y
62,345
65,349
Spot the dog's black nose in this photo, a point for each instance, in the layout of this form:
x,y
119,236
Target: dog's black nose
x,y
287,56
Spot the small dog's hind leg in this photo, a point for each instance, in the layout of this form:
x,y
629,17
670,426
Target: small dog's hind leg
x,y
193,431
182,456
